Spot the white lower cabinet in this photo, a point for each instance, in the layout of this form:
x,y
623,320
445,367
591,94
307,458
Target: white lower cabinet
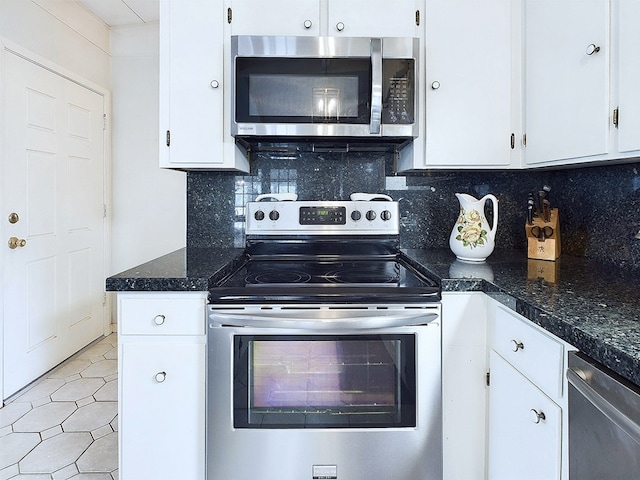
x,y
527,407
525,427
161,381
464,365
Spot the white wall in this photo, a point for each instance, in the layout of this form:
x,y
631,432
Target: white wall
x,y
148,204
61,32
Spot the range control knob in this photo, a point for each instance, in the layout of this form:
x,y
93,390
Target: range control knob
x,y
274,215
259,215
356,215
371,215
385,215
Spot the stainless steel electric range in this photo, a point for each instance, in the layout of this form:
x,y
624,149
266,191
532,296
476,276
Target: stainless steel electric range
x,y
324,357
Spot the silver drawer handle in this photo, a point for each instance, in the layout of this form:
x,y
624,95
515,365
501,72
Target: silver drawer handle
x,y
538,415
159,319
160,377
516,345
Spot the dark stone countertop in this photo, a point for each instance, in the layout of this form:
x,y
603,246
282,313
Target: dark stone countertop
x,y
594,307
591,306
187,269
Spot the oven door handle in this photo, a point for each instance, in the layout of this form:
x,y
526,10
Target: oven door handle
x,y
368,322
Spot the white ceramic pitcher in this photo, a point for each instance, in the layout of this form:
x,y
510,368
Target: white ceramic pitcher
x,y
471,238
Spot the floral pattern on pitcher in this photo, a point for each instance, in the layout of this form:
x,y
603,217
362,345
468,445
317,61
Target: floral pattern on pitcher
x,y
471,233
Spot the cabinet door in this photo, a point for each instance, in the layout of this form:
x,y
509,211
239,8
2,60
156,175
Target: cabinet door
x,y
374,18
566,80
521,444
162,411
628,75
192,113
469,83
276,17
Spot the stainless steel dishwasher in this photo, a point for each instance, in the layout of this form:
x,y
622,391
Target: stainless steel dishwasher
x,y
604,422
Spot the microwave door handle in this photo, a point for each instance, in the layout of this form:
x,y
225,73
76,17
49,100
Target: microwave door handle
x,y
376,86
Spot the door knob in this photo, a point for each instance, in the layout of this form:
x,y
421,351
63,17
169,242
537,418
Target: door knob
x,y
13,217
15,242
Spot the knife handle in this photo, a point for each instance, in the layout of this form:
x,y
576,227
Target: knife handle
x,y
530,208
546,210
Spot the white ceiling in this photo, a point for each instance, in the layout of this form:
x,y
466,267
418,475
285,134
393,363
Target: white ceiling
x,y
117,13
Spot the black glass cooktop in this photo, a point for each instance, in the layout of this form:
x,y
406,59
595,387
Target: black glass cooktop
x,y
361,279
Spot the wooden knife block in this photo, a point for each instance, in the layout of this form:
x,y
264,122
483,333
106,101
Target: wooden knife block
x,y
549,248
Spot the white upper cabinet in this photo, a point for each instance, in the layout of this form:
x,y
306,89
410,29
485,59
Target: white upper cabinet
x,y
375,18
279,17
625,21
351,18
567,56
472,85
192,79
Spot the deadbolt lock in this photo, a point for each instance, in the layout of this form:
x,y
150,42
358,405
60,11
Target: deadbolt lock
x,y
15,242
13,217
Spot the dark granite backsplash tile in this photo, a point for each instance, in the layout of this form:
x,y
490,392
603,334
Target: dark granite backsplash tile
x,y
599,205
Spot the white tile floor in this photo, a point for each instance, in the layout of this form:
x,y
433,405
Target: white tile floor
x,y
65,426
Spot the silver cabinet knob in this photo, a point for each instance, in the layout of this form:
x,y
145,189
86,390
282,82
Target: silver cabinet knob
x,y
592,48
307,24
516,345
159,319
340,26
435,85
160,377
537,416
214,84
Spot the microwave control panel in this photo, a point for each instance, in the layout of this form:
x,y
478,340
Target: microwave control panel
x,y
398,91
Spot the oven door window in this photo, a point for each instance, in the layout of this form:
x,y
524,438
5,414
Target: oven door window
x,y
303,90
324,381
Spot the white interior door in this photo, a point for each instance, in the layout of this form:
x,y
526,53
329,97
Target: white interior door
x,y
53,177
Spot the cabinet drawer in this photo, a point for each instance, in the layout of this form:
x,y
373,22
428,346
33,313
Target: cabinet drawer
x,y
537,356
161,315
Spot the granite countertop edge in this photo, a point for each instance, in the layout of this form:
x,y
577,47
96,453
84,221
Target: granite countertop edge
x,y
593,308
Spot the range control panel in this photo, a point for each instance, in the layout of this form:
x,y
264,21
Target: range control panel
x,y
374,217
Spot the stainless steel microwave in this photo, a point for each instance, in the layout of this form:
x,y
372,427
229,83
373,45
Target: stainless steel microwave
x,y
335,87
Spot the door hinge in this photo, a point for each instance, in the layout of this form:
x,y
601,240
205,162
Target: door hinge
x,y
229,15
104,210
513,141
524,139
417,18
168,138
487,379
104,121
104,299
615,118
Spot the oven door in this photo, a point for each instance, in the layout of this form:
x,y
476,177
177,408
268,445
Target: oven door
x,y
335,395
